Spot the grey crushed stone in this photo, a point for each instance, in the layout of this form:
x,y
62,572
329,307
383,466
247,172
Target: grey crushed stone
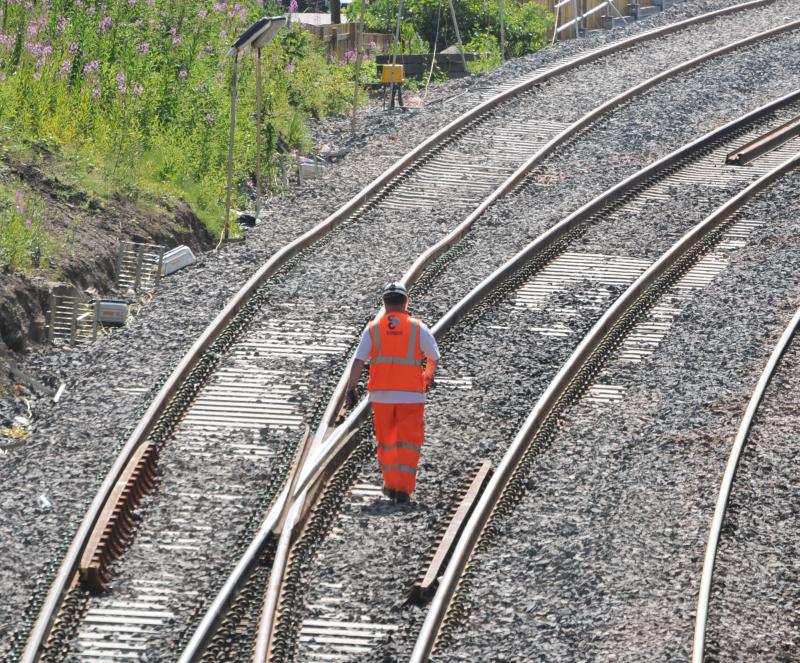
x,y
501,382
755,592
80,434
610,535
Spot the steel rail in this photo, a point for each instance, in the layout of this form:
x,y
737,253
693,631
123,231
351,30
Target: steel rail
x,y
549,402
269,611
764,144
211,619
312,470
703,598
522,171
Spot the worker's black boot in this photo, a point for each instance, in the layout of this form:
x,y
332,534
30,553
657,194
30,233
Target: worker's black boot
x,y
400,497
391,494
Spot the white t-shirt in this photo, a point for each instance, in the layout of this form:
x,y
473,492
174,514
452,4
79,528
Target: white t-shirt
x,y
429,347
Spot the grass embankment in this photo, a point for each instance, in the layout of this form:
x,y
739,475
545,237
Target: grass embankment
x,y
132,98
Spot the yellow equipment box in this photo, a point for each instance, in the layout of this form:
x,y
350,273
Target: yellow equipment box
x,y
392,73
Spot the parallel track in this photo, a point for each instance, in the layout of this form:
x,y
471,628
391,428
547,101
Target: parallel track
x,y
227,371
343,634
638,318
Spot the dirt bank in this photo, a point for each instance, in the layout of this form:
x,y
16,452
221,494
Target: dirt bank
x,y
86,231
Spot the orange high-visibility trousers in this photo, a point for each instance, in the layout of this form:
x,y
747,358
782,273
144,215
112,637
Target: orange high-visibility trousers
x,y
399,429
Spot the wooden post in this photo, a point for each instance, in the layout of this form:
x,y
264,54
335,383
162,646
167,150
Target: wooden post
x,y
258,134
226,230
396,45
502,30
458,34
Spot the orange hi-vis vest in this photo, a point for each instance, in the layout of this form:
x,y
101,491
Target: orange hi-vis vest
x,y
395,363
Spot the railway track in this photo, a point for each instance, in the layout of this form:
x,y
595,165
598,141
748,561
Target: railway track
x,y
753,559
253,379
343,618
619,553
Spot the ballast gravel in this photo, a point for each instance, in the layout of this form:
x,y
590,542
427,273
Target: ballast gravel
x,y
755,592
603,554
495,366
110,382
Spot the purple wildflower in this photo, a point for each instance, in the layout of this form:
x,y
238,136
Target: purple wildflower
x,y
210,118
290,68
96,92
92,67
143,48
62,24
293,6
28,221
183,73
63,71
123,89
74,47
33,30
203,13
104,24
138,89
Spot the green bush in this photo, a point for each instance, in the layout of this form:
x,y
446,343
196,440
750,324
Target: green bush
x,y
23,242
487,48
527,22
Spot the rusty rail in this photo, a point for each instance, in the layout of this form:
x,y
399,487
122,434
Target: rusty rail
x,y
542,418
114,527
763,144
424,588
703,598
328,449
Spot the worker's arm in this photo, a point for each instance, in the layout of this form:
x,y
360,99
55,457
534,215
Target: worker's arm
x,y
430,371
355,374
352,394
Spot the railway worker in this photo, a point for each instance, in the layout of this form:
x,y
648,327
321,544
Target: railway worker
x,y
395,346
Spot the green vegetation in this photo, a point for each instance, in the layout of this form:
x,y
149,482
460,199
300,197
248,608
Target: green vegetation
x,y
23,242
135,94
528,24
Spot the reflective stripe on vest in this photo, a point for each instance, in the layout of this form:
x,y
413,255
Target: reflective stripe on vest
x,y
396,358
408,360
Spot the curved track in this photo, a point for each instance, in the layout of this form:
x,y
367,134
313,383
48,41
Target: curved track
x,y
269,372
787,345
349,633
559,552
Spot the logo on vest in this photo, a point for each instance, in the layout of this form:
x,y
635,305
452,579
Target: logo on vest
x,y
393,322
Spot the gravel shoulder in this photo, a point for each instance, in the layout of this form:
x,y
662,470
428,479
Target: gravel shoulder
x,y
611,533
110,382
